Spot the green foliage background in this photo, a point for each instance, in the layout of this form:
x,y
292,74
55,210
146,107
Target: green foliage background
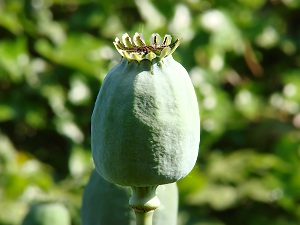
x,y
243,58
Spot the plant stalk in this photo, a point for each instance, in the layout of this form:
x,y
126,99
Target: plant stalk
x,y
144,218
144,201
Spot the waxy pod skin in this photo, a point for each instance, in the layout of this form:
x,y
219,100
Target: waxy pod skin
x,y
145,128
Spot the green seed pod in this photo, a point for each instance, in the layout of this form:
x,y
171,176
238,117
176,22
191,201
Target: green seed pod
x,y
47,213
106,203
145,126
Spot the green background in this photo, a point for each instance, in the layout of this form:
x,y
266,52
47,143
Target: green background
x,y
243,58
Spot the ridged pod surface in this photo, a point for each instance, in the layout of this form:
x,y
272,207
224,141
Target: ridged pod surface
x,y
106,203
145,125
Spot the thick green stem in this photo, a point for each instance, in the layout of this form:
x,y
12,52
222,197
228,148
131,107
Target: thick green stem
x,y
144,201
144,218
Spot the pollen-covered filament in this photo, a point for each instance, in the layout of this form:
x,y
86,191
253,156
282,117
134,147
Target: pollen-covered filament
x,y
137,49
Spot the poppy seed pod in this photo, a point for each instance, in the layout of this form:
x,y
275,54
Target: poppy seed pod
x,y
145,125
47,213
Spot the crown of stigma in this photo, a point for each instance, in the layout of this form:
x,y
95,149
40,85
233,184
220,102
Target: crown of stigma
x,y
138,50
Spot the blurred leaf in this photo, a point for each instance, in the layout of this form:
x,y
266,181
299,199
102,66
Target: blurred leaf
x,y
248,104
6,112
254,189
253,4
80,162
238,166
9,16
224,34
81,57
14,58
7,155
12,212
219,197
193,182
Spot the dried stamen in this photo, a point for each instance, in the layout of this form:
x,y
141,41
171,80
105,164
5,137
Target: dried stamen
x,y
138,50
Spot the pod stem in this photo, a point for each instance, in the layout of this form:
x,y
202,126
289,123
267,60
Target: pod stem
x,y
144,201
